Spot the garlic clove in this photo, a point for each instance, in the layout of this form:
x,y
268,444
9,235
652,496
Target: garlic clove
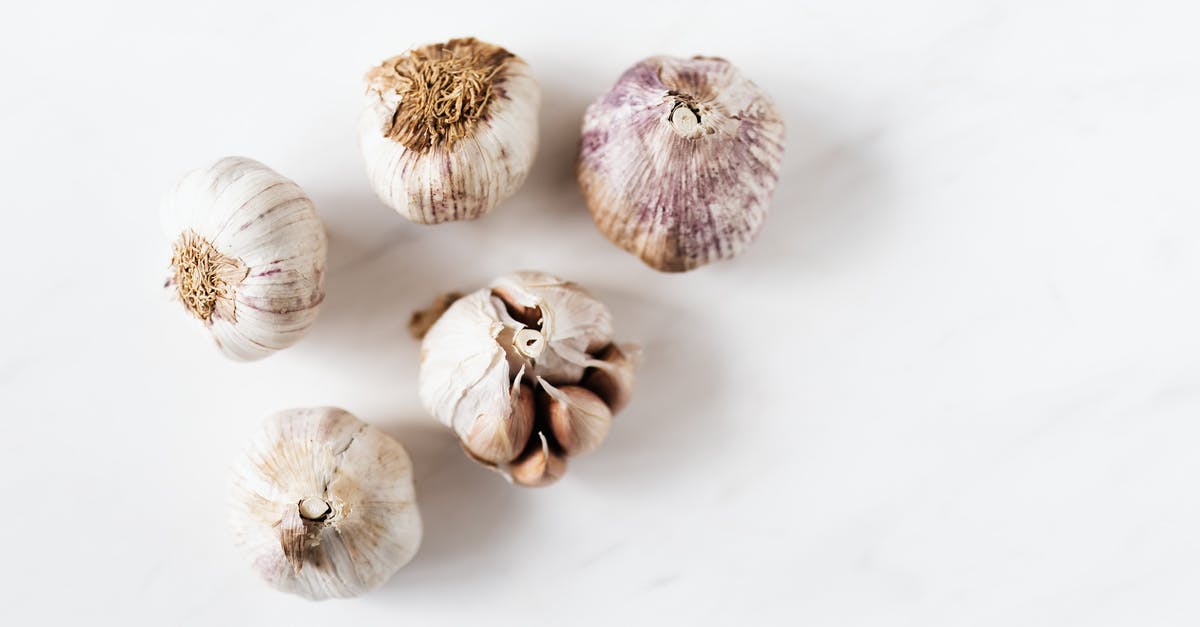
x,y
679,160
610,375
539,465
449,130
248,255
579,420
323,504
497,439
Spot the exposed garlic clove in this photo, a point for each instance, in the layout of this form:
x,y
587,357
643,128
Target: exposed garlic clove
x,y
563,323
449,130
248,255
538,466
679,160
610,375
323,504
497,439
579,420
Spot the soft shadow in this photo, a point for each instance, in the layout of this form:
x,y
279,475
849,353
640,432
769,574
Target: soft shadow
x,y
675,419
366,242
559,126
466,510
381,269
832,196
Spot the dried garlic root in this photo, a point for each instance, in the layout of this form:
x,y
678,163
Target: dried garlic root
x,y
449,130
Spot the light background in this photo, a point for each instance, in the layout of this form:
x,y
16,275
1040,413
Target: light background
x,y
955,382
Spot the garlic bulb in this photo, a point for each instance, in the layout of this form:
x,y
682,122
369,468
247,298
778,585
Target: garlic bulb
x,y
449,130
679,159
508,368
248,255
323,504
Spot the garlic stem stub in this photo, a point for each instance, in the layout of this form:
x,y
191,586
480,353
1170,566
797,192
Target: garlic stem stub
x,y
323,504
679,160
248,255
449,130
508,368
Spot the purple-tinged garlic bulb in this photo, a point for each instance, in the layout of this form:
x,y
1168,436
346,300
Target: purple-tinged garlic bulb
x,y
679,160
248,257
525,372
323,504
449,130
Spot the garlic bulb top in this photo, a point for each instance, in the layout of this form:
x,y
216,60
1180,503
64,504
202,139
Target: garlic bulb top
x,y
323,504
449,130
679,160
248,255
501,361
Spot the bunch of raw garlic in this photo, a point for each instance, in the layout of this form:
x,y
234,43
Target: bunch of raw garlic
x,y
677,164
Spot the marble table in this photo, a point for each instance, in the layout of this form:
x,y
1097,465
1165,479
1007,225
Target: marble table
x,y
956,381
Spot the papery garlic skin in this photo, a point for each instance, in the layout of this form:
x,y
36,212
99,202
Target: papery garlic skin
x,y
679,160
249,255
572,322
492,349
455,150
323,504
464,373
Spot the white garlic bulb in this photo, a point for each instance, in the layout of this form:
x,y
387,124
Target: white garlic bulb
x,y
508,369
323,504
248,255
449,130
679,160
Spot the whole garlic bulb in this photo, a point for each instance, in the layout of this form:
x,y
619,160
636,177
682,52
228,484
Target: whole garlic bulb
x,y
323,504
526,373
449,130
679,160
248,257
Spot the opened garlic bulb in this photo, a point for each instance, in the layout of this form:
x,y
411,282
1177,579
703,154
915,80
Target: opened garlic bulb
x,y
449,130
323,504
526,374
679,159
248,255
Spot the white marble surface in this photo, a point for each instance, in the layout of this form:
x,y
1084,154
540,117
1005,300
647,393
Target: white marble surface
x,y
955,382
